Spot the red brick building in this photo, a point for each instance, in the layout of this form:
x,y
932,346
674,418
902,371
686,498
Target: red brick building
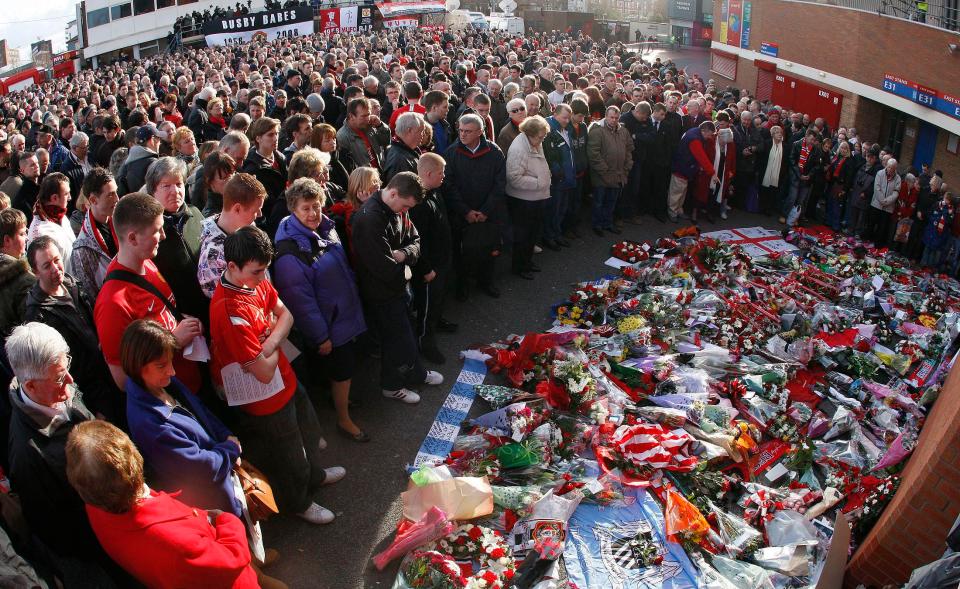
x,y
895,79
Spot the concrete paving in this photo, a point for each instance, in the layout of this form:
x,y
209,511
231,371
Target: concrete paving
x,y
367,501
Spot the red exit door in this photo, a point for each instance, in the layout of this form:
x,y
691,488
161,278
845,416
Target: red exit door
x,y
802,96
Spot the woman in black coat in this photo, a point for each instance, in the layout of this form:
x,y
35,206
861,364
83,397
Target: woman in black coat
x,y
268,165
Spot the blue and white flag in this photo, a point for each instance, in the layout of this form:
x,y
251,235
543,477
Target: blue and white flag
x,y
600,550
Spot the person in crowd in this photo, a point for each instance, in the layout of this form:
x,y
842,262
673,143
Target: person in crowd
x,y
558,150
363,137
185,148
474,190
43,160
248,324
269,167
207,194
197,121
861,194
96,244
324,138
386,244
16,279
178,253
636,197
187,546
50,213
775,175
689,162
437,105
14,175
298,129
215,126
528,190
517,110
413,93
46,407
363,182
610,149
886,191
927,199
133,172
57,300
903,216
134,289
805,155
315,281
113,139
243,198
711,190
840,175
937,236
26,183
432,271
76,166
749,144
404,151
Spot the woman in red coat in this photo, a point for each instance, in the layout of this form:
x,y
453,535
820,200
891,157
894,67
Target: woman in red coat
x,y
153,536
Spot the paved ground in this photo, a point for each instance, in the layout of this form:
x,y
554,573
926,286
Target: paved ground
x,y
367,503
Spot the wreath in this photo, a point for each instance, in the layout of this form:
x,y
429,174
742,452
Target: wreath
x,y
473,544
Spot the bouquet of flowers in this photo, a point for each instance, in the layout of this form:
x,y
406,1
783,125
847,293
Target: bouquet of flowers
x,y
630,251
481,546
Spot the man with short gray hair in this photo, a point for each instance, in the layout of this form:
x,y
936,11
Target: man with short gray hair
x,y
404,150
46,406
886,191
76,166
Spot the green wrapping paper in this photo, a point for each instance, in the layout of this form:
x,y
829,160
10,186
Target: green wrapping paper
x,y
516,455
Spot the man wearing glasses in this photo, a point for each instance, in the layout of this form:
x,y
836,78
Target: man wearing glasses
x,y
517,111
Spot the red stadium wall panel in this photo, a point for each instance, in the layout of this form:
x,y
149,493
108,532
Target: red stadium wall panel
x,y
796,94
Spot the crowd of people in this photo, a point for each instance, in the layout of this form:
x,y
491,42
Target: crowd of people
x,y
191,241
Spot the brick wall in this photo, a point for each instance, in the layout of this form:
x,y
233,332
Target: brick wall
x,y
912,530
950,164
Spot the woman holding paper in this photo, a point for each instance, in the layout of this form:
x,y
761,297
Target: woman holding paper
x,y
186,447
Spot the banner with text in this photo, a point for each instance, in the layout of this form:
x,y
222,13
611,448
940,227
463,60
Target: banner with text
x,y
396,9
260,26
403,22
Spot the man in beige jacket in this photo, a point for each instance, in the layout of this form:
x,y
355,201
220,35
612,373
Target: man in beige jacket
x,y
610,151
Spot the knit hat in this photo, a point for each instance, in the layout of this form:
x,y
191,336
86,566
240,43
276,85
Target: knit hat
x,y
315,103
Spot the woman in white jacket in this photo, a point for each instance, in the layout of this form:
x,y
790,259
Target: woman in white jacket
x,y
528,188
50,214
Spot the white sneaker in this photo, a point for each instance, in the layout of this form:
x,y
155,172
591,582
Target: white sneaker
x,y
322,444
334,474
403,395
317,515
537,249
723,215
433,378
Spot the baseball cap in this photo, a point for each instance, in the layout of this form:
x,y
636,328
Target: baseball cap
x,y
147,131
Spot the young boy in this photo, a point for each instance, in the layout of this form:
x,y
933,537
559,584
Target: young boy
x,y
281,433
243,198
16,280
133,289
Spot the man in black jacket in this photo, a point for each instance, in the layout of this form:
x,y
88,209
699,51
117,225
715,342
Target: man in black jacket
x,y
655,178
749,143
26,196
430,273
475,192
862,192
113,139
636,200
46,407
386,244
404,150
57,300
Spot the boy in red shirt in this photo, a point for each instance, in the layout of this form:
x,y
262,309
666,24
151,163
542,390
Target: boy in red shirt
x,y
134,289
276,421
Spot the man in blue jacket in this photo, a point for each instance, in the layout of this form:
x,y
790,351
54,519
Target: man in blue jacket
x,y
558,149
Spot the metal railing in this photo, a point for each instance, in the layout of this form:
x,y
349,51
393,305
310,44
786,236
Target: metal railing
x,y
942,14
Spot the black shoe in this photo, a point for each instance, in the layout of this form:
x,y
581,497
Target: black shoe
x,y
360,436
615,230
660,217
446,326
562,242
432,354
598,232
525,274
490,290
531,267
551,244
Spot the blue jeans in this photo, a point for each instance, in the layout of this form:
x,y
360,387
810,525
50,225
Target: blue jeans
x,y
604,201
797,195
834,211
555,209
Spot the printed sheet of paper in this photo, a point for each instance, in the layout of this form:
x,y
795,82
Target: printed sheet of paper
x,y
243,388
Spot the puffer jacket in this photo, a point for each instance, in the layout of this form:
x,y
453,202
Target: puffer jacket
x,y
322,295
886,191
611,155
16,280
528,173
559,154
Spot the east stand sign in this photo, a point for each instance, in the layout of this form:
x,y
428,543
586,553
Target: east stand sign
x,y
265,26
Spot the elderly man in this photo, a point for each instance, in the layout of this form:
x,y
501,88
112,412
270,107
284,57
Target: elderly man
x,y
610,149
46,406
363,138
474,190
76,166
749,142
404,150
886,191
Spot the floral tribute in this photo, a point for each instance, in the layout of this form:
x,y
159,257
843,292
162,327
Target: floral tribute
x,y
480,547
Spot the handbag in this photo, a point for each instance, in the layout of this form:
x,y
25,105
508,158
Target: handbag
x,y
480,240
256,489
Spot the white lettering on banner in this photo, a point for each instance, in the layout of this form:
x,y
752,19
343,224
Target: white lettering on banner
x,y
823,94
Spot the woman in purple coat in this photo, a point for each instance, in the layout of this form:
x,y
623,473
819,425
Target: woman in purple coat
x,y
315,281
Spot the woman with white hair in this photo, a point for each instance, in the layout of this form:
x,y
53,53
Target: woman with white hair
x,y
178,254
710,192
